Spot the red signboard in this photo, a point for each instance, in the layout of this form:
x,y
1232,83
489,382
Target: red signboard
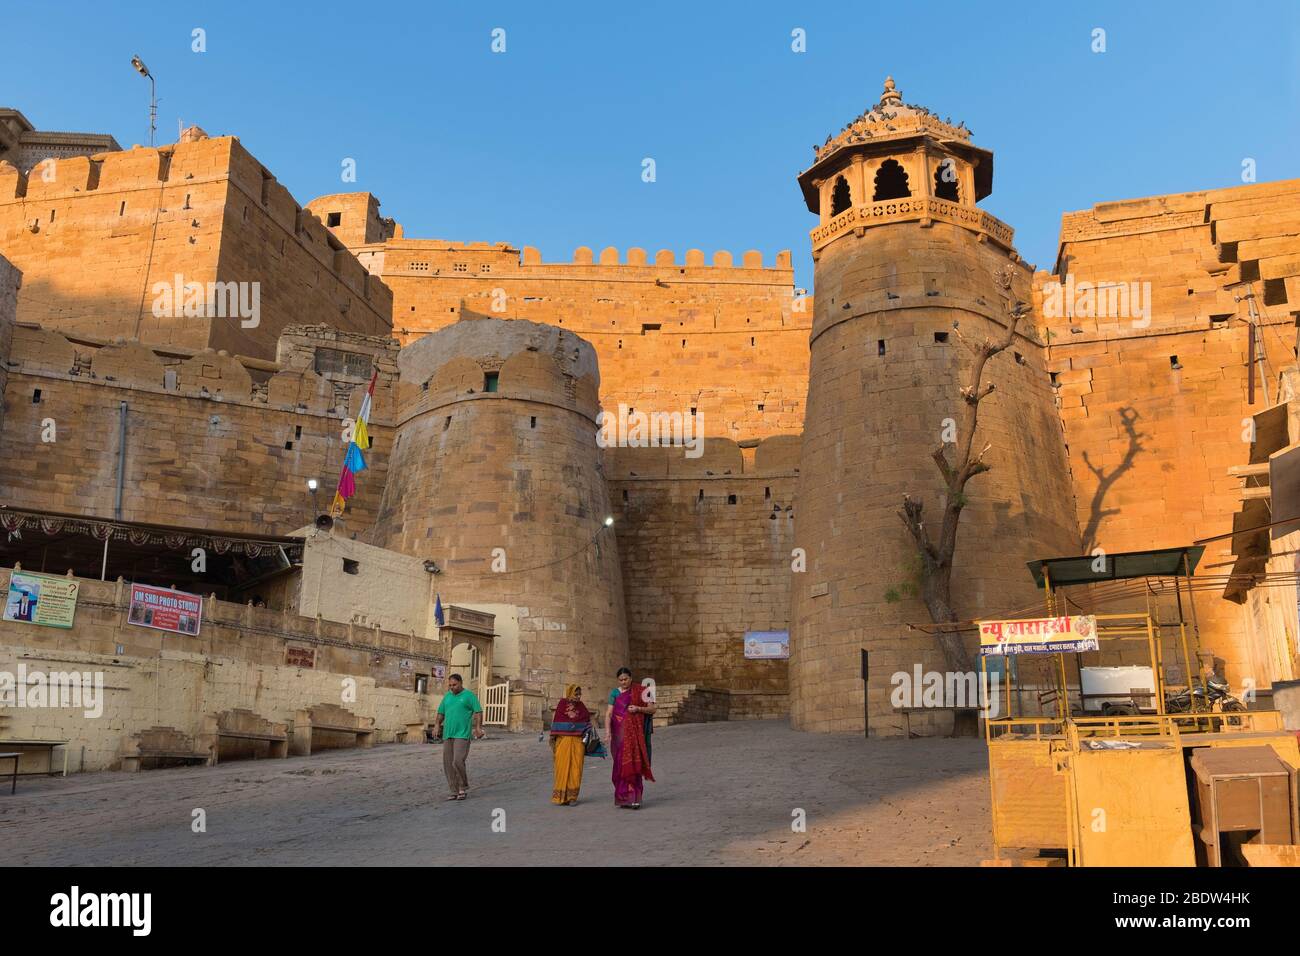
x,y
165,610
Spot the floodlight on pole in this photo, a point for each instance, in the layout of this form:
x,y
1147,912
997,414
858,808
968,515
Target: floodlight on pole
x,y
153,99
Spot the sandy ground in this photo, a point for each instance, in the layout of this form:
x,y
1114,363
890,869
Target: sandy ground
x,y
726,795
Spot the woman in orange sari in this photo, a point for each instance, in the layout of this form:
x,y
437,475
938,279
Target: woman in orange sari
x,y
571,721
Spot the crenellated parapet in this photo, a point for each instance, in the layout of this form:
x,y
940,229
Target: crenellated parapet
x,y
430,258
105,238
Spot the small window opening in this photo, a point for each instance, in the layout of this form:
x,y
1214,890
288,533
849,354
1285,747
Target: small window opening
x,y
297,431
841,198
490,381
36,396
1174,363
334,218
1020,359
891,182
945,181
767,494
1053,375
532,422
52,212
624,496
880,346
941,337
731,499
446,423
649,327
701,497
121,210
351,567
760,406
288,446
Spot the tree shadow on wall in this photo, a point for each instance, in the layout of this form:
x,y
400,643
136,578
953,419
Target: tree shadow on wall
x,y
1128,418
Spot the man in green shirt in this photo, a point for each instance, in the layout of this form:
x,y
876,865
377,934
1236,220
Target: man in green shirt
x,y
462,716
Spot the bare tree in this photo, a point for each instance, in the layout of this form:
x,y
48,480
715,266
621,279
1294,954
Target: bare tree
x,y
936,552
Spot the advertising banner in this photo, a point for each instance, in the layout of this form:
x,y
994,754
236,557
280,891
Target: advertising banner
x,y
41,599
1043,635
164,609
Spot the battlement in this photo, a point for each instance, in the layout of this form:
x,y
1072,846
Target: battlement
x,y
434,257
204,209
141,167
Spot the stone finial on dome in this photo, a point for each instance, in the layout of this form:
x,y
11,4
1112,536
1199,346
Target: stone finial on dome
x,y
891,96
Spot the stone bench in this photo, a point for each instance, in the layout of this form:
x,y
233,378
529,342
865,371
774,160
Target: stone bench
x,y
329,719
244,725
159,744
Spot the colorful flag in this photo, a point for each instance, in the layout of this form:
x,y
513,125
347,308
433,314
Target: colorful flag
x,y
353,460
437,610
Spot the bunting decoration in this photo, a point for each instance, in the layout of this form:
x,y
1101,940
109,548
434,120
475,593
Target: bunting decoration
x,y
353,461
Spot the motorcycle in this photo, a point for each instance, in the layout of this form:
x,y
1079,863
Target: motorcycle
x,y
1214,695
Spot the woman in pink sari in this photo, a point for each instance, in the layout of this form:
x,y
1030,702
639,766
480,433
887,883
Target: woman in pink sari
x,y
625,722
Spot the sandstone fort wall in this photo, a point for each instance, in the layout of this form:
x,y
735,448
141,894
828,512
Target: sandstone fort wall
x,y
238,660
705,546
886,371
503,485
1155,407
94,235
210,442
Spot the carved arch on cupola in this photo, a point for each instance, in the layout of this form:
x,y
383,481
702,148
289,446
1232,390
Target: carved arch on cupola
x,y
891,182
841,196
945,180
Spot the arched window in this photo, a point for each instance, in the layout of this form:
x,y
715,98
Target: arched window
x,y
840,197
945,181
891,182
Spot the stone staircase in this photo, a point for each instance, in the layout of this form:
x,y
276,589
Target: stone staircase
x,y
689,704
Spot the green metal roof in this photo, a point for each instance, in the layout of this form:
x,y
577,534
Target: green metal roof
x,y
1116,567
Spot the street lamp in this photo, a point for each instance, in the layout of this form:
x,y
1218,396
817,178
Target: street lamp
x,y
153,99
312,485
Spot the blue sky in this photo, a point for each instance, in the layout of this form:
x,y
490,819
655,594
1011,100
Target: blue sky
x,y
542,145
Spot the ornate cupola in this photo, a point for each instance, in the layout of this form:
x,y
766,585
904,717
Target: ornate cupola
x,y
897,163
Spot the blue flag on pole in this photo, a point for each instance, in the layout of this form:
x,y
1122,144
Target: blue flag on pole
x,y
437,610
354,460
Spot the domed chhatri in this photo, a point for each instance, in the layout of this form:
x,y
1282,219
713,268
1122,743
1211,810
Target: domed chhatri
x,y
896,151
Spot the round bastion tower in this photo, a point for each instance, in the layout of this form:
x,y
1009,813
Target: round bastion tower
x,y
902,254
496,476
